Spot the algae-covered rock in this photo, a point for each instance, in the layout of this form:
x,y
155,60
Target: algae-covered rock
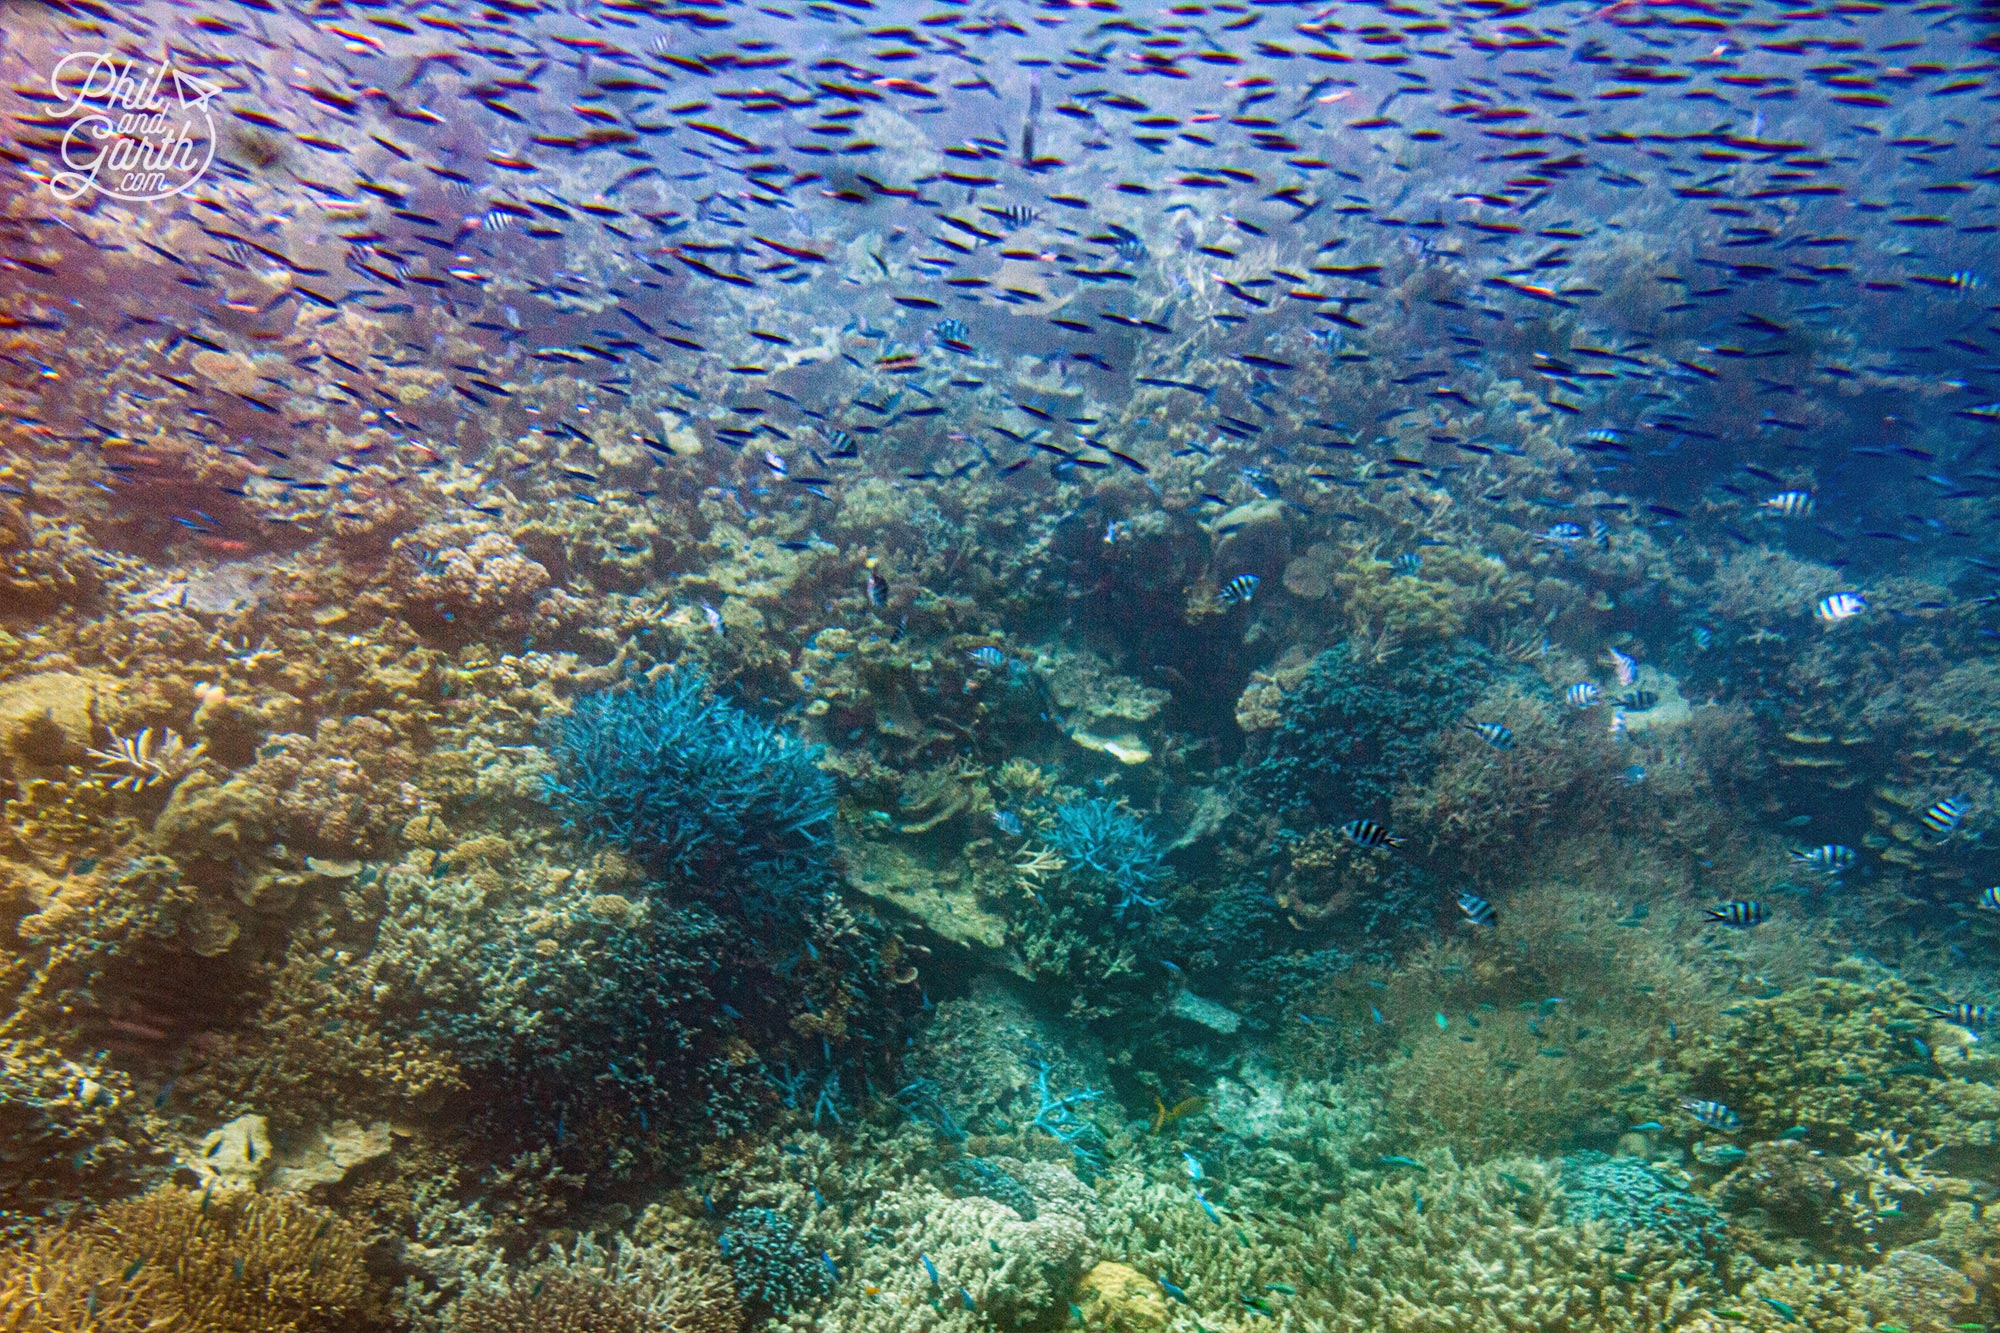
x,y
939,899
235,1156
47,718
328,1155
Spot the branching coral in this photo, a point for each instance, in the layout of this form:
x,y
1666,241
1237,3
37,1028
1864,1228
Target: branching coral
x,y
182,1261
1116,849
590,1288
1351,731
1627,1194
1834,1056
774,1272
700,791
134,763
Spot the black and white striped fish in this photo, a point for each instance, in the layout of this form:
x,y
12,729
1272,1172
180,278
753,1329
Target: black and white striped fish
x,y
1013,216
1477,910
1368,833
1943,816
1965,1013
1711,1113
1791,504
1496,734
1239,589
1830,859
1743,912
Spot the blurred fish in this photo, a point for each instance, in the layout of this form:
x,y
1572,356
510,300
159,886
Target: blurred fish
x,y
1790,504
1965,1013
1743,913
1839,606
1496,734
1477,910
1625,665
1829,859
1583,694
1712,1114
1942,817
987,656
1239,589
1368,833
1638,701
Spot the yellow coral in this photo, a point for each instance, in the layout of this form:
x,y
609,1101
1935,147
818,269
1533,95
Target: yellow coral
x,y
179,1261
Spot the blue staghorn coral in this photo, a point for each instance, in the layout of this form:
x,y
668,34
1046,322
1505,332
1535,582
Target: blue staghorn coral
x,y
1111,843
701,792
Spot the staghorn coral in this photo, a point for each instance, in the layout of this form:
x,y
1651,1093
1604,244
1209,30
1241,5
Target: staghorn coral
x,y
1560,771
589,1288
700,791
1436,1246
1627,1195
774,1273
135,763
1111,846
181,1261
61,1283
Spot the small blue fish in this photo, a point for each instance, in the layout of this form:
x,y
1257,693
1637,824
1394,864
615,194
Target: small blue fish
x,y
1173,1290
930,1269
1007,822
1262,482
826,1262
